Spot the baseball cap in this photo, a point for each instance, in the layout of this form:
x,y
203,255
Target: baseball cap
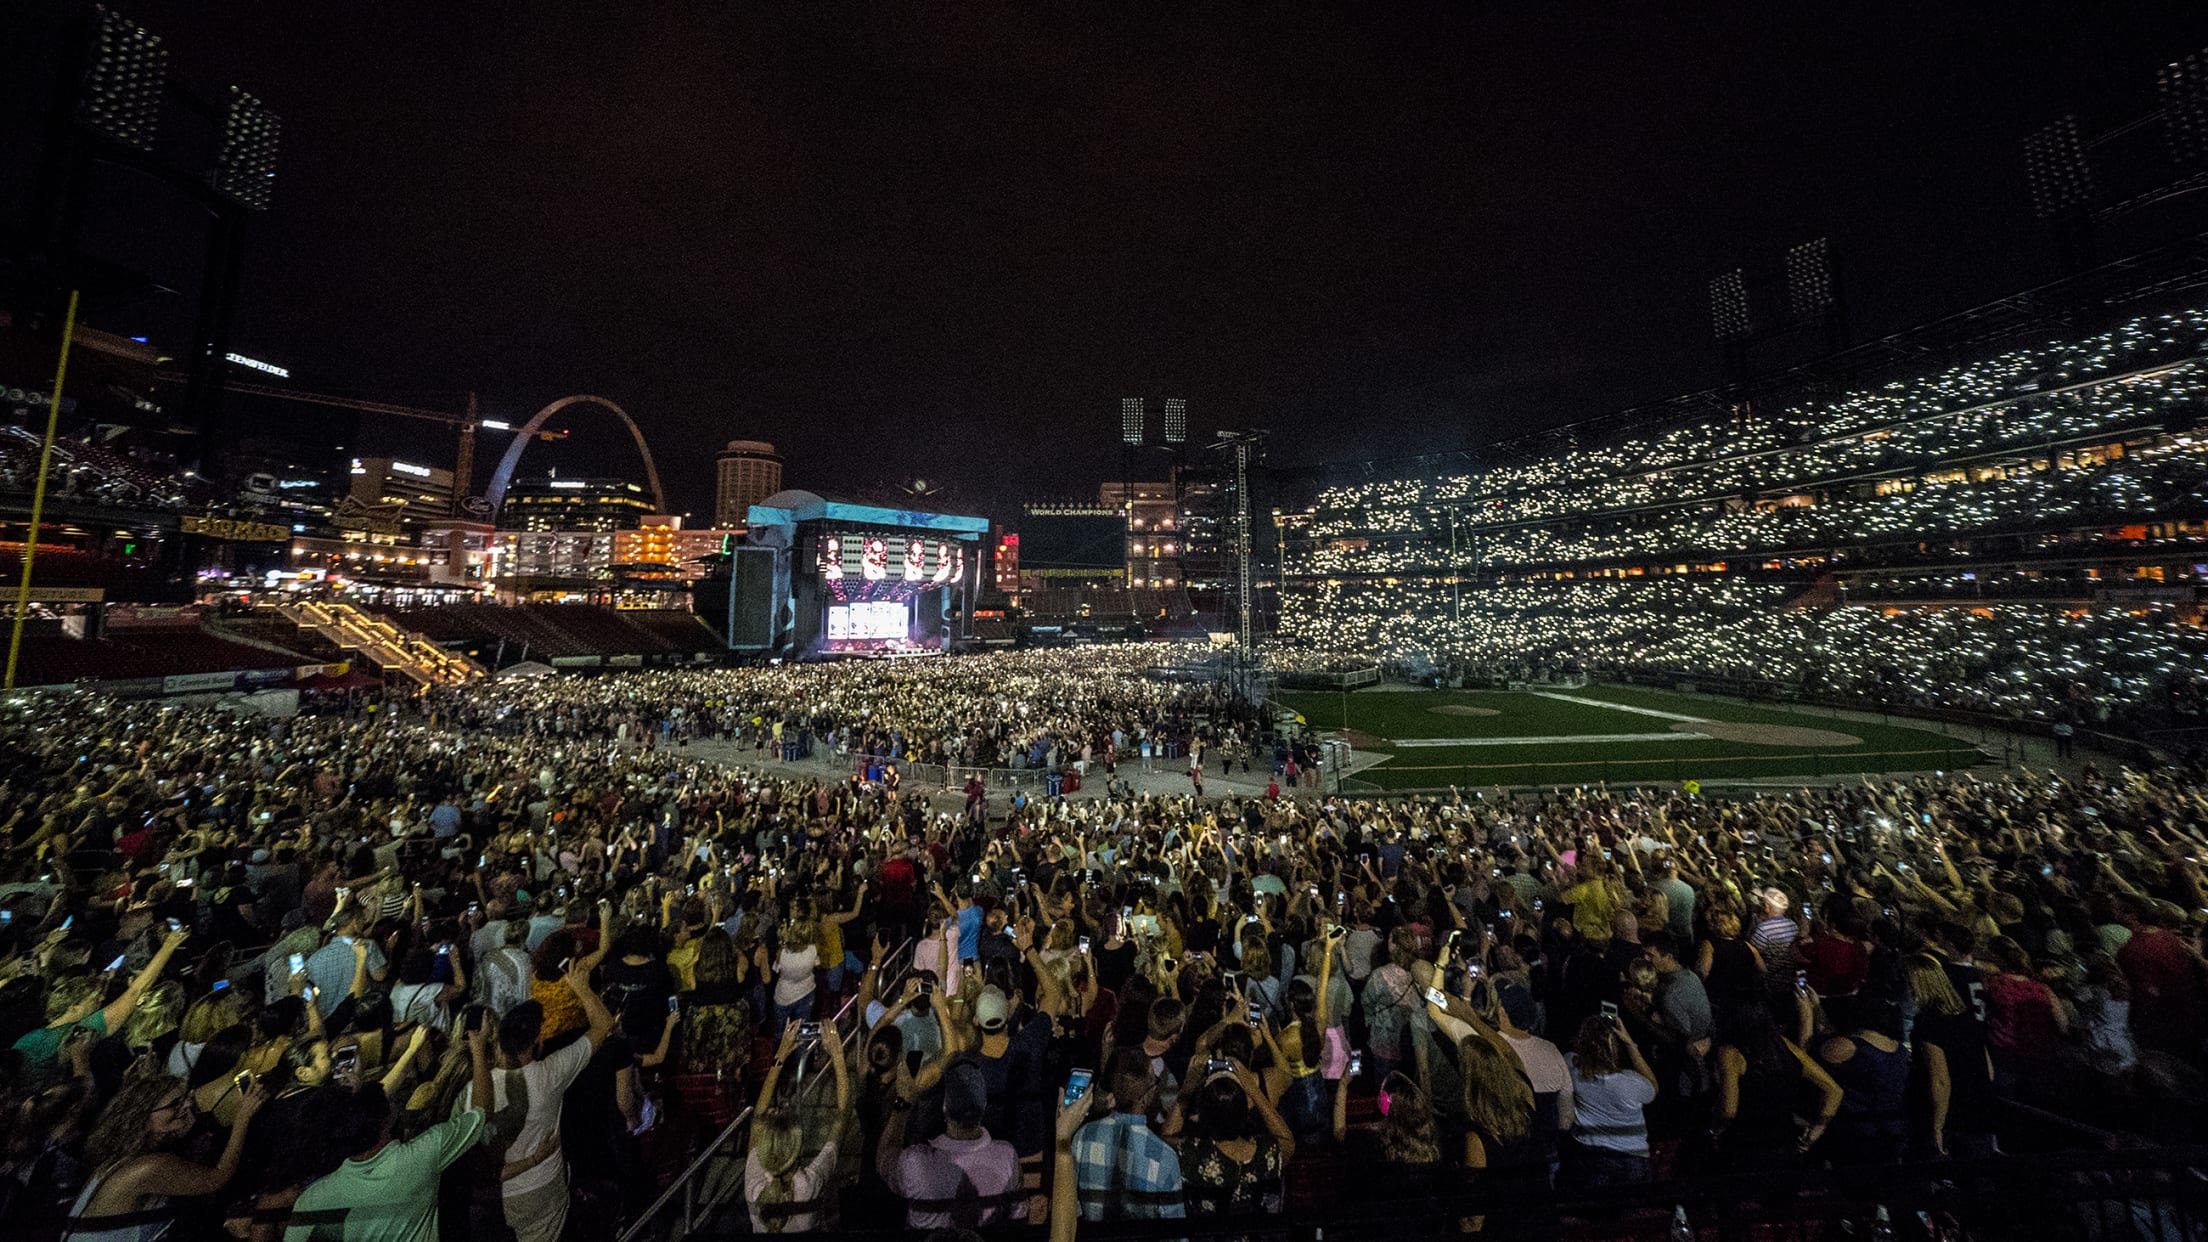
x,y
990,1010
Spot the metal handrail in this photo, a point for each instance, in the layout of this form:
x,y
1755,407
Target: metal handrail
x,y
685,1183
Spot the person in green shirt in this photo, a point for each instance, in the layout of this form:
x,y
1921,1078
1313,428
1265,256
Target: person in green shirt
x,y
75,1002
387,1190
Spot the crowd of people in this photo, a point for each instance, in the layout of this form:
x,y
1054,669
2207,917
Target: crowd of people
x,y
1721,547
500,964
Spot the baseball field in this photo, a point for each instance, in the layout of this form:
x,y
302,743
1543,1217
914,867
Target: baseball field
x,y
1623,734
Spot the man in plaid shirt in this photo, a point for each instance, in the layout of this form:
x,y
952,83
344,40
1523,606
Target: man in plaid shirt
x,y
1122,1169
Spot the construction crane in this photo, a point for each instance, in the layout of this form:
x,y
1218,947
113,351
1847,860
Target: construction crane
x,y
465,425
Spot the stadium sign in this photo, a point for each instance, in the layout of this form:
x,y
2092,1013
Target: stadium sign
x,y
234,530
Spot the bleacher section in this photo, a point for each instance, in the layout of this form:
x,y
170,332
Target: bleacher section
x,y
1141,603
54,660
548,631
91,471
2040,518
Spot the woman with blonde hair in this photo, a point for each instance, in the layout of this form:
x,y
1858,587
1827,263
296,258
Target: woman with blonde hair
x,y
794,967
1952,1100
787,1192
135,1170
215,1012
155,1017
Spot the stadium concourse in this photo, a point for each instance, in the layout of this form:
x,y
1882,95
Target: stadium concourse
x,y
263,973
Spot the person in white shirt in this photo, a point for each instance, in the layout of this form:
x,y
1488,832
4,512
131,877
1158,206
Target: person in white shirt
x,y
525,1112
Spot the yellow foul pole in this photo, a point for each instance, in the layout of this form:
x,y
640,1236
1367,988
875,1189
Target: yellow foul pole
x,y
38,493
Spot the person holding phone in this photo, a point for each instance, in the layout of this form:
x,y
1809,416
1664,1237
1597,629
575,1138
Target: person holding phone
x,y
135,1168
74,1002
1234,1146
533,1183
1612,1087
784,1188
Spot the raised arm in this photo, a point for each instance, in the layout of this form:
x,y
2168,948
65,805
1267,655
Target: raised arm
x,y
118,1011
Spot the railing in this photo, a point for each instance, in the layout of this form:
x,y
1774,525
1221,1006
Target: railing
x,y
2147,1195
685,1185
1818,764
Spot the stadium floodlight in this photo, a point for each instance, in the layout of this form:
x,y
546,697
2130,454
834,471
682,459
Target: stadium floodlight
x,y
1809,287
246,169
1130,419
1729,305
1176,420
122,82
2055,167
2184,89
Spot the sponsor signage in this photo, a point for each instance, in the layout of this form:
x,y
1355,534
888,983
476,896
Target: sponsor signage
x,y
233,529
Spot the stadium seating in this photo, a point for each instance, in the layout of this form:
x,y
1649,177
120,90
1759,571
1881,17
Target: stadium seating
x,y
549,630
2054,498
52,660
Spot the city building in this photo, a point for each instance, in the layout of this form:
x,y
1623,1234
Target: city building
x,y
390,494
523,561
557,504
458,553
746,472
1007,578
1154,541
659,549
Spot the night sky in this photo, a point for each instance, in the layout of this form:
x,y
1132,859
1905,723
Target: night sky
x,y
943,239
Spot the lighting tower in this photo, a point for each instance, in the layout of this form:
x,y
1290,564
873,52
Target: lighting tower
x,y
121,97
1247,448
2184,90
1813,291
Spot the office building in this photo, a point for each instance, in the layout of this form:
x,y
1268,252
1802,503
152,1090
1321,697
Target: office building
x,y
1154,543
574,505
747,472
390,495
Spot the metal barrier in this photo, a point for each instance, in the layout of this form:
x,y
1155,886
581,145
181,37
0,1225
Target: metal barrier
x,y
2151,1195
685,1185
1820,763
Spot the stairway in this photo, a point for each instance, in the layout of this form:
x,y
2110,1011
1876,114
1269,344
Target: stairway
x,y
380,642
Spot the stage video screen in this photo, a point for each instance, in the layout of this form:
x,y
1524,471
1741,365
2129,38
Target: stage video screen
x,y
866,620
858,557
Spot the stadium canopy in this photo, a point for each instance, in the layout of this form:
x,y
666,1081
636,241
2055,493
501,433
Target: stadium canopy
x,y
790,507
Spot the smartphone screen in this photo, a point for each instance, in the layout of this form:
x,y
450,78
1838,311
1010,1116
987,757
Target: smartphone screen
x,y
1438,997
117,964
1610,1012
674,1004
176,925
1077,1085
1356,1063
298,962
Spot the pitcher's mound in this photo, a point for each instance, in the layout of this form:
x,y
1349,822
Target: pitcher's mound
x,y
1767,735
1460,709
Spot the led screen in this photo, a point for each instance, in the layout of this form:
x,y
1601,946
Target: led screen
x,y
876,619
864,557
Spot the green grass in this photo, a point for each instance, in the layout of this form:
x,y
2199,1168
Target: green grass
x,y
1409,714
